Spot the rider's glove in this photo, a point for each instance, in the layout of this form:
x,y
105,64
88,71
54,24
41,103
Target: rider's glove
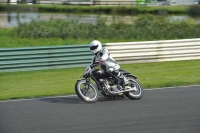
x,y
99,61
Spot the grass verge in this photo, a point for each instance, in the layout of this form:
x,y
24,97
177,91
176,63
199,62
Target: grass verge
x,y
31,84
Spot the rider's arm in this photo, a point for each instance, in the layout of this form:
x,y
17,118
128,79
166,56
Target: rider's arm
x,y
93,61
105,55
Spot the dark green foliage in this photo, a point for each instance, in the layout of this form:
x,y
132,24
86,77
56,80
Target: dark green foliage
x,y
2,8
17,8
113,9
194,10
95,9
145,28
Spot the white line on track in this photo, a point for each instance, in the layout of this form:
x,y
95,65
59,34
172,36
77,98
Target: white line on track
x,y
172,87
76,95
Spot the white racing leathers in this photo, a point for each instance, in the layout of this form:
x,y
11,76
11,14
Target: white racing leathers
x,y
108,64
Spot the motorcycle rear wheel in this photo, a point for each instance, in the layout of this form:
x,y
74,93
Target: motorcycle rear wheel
x,y
85,93
138,93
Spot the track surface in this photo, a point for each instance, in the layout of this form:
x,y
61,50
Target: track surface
x,y
171,110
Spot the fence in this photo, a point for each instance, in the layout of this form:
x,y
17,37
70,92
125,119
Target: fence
x,y
41,58
155,51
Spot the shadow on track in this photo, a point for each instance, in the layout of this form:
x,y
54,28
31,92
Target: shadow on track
x,y
75,100
65,100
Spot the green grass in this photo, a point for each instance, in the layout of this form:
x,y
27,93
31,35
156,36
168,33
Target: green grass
x,y
14,85
8,40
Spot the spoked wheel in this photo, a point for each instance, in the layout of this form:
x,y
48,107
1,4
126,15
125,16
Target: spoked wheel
x,y
87,93
137,92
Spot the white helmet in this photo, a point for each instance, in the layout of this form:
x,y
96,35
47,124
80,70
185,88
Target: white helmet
x,y
95,46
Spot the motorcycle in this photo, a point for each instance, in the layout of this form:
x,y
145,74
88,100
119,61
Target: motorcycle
x,y
107,86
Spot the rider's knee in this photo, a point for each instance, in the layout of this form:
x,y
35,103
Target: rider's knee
x,y
113,72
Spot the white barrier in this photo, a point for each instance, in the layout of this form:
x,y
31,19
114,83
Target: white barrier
x,y
155,51
51,57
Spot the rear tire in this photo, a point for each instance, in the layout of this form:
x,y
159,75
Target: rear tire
x,y
138,93
88,95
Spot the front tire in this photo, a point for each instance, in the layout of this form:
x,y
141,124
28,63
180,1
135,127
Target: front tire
x,y
138,91
85,93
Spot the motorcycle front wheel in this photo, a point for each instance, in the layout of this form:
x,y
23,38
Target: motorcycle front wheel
x,y
87,93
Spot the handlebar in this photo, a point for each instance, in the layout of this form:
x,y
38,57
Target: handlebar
x,y
93,65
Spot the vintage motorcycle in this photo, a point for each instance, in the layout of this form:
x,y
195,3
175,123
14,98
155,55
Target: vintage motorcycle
x,y
106,85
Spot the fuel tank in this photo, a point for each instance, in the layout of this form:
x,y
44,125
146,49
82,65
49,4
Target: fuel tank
x,y
100,74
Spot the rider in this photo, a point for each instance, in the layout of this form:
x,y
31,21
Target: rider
x,y
103,58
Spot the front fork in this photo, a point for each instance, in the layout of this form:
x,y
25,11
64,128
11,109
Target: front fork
x,y
87,85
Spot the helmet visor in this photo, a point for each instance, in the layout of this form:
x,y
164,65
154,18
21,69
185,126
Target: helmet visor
x,y
93,47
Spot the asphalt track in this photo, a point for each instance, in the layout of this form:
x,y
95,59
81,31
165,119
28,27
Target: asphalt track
x,y
168,110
